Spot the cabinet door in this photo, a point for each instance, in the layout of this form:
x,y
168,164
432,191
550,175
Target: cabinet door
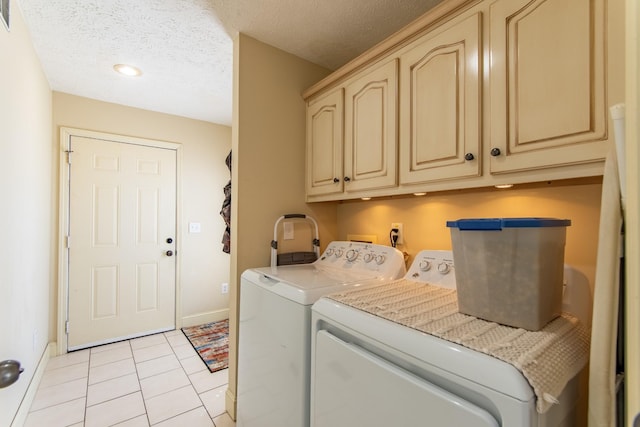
x,y
440,105
547,84
325,144
370,156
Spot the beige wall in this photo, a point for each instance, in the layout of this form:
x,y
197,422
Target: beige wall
x,y
268,168
632,99
424,218
25,217
202,264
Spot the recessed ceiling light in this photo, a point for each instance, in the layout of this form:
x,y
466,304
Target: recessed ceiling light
x,y
504,186
127,70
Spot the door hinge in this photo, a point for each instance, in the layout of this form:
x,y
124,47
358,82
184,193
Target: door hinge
x,y
68,241
69,156
66,327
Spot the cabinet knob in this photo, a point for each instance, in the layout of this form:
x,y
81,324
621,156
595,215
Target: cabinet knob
x,y
347,179
495,152
469,156
169,253
336,180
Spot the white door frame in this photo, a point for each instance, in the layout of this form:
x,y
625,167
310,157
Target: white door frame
x,y
63,220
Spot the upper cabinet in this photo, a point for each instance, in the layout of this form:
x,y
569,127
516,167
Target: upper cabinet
x,y
325,144
370,155
548,69
354,148
440,104
474,93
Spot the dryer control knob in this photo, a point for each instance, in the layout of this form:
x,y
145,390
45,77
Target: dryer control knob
x,y
330,251
380,259
443,268
352,255
339,253
425,265
368,257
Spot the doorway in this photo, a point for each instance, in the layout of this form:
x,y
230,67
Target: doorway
x,y
120,237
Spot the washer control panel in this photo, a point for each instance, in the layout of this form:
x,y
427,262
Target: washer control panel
x,y
360,256
433,267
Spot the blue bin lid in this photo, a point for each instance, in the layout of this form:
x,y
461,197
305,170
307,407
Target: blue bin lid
x,y
500,223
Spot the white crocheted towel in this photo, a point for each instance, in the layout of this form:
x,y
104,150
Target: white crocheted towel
x,y
547,358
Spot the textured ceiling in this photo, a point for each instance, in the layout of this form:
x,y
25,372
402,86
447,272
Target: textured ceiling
x,y
185,47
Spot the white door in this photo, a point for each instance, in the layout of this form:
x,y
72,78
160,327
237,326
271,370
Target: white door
x,y
122,231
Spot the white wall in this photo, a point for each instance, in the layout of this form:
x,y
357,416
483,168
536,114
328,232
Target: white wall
x,y
26,207
203,265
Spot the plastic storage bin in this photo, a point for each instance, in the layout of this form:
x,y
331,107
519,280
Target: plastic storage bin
x,y
510,270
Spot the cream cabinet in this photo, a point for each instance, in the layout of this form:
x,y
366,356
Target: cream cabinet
x,y
325,144
370,139
440,111
352,135
474,93
548,84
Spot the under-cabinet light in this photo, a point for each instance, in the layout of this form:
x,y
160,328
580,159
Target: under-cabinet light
x,y
504,186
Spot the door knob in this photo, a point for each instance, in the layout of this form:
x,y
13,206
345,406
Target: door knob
x,y
169,240
10,370
169,253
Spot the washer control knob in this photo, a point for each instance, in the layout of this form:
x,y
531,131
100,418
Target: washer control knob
x,y
339,253
425,265
380,259
368,257
443,268
352,255
329,251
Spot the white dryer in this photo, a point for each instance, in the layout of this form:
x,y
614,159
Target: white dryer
x,y
275,327
370,368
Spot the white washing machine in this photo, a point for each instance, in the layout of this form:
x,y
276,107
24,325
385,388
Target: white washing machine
x,y
370,369
275,327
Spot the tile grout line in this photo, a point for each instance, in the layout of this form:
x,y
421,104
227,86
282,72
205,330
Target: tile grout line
x,y
86,393
144,401
192,386
210,373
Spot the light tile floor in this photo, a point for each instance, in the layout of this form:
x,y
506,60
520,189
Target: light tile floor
x,y
157,380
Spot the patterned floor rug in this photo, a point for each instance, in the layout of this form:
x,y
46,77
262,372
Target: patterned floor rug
x,y
211,341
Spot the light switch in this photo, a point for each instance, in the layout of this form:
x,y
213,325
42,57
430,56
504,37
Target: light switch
x,y
194,227
288,231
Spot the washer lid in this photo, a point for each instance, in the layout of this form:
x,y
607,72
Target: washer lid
x,y
306,283
479,368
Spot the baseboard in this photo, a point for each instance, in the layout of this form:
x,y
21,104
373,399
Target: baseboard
x,y
27,400
202,318
230,404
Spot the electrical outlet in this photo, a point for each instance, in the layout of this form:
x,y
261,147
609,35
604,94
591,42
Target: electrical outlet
x,y
398,225
224,288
